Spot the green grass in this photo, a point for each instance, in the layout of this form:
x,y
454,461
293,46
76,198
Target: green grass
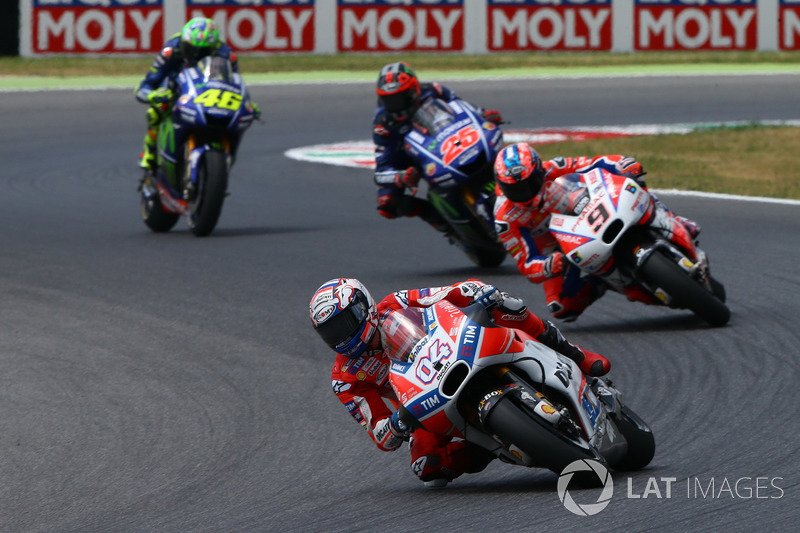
x,y
749,160
125,66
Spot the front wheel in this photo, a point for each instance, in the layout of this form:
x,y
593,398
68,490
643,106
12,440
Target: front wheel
x,y
641,443
661,271
212,185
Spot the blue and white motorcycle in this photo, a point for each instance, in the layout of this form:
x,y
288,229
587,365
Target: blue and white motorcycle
x,y
455,147
197,145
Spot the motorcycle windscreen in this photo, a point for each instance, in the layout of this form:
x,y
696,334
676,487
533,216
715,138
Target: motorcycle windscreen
x,y
400,331
216,68
433,116
567,195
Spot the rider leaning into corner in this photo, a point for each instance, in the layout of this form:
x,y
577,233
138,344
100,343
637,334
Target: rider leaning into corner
x,y
400,94
198,38
521,221
344,314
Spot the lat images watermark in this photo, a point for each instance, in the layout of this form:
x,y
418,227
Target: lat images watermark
x,y
587,469
690,488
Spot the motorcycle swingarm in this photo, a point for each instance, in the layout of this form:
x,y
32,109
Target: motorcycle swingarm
x,y
695,269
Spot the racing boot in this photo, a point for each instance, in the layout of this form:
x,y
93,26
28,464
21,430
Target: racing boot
x,y
590,363
147,159
691,226
569,308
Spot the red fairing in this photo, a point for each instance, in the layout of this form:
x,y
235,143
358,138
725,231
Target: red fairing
x,y
681,237
403,388
440,424
499,340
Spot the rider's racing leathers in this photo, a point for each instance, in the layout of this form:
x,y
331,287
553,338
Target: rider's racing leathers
x,y
523,230
362,384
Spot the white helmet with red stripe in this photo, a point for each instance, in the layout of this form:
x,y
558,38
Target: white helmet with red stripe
x,y
344,315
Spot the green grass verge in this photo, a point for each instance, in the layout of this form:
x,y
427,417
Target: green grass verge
x,y
749,160
126,66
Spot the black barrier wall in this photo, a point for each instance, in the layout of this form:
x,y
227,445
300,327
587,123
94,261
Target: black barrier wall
x,y
9,29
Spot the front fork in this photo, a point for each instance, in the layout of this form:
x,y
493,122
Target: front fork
x,y
192,155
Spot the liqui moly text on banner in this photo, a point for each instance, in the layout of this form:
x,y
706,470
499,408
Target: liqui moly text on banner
x,y
549,25
695,25
408,25
260,25
92,26
789,25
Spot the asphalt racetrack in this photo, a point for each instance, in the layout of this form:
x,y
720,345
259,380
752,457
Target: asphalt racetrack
x,y
163,382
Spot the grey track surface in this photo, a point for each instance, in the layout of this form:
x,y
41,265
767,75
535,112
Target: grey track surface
x,y
169,383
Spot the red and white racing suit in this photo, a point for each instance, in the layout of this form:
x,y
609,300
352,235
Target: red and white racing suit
x,y
523,230
362,384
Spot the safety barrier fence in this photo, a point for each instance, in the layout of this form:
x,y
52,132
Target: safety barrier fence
x,y
102,27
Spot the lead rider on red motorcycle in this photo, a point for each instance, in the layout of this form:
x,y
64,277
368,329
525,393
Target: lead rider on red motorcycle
x,y
344,314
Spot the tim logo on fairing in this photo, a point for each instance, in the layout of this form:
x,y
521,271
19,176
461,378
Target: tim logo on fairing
x,y
469,341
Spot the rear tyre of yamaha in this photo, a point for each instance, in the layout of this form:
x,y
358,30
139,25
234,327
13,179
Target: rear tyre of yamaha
x,y
487,258
153,213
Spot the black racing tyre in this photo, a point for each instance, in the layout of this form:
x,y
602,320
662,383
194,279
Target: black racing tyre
x,y
153,213
718,289
487,258
212,185
662,272
640,439
536,437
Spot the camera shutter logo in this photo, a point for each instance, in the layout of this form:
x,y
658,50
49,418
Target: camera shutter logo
x,y
586,509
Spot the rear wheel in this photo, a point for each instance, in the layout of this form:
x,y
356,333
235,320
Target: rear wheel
x,y
536,437
718,289
662,272
487,258
473,234
153,213
212,185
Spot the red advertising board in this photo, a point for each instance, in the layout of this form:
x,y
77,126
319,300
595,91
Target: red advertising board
x,y
548,25
690,25
389,25
83,26
264,26
789,25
